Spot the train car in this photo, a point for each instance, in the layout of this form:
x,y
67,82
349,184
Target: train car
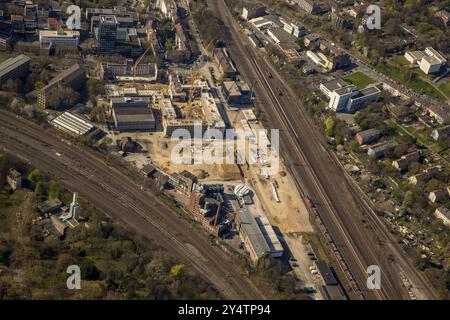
x,y
309,202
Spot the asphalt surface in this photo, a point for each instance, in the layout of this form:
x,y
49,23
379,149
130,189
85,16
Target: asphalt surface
x,y
361,237
111,191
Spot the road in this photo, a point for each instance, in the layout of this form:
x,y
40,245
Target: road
x,y
360,236
115,194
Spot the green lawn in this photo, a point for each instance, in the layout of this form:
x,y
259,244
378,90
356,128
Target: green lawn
x,y
445,88
359,79
401,60
417,84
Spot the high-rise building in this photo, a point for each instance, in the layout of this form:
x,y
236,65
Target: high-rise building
x,y
106,33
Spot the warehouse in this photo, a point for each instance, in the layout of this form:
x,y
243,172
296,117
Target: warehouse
x,y
132,114
72,123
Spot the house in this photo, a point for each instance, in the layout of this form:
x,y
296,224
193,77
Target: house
x,y
424,176
381,150
253,11
440,195
50,206
310,39
405,160
443,214
368,136
14,179
440,132
439,113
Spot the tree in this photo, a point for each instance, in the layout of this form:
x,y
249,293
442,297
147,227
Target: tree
x,y
39,85
400,150
329,126
35,176
176,270
40,191
408,199
53,189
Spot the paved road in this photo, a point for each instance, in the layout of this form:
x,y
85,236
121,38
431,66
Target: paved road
x,y
123,200
361,237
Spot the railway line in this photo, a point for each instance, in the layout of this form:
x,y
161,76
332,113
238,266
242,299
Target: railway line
x,y
123,200
358,234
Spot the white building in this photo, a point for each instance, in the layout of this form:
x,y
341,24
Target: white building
x,y
429,60
68,38
350,99
444,215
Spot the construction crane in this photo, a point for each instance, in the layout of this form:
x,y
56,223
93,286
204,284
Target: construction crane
x,y
139,61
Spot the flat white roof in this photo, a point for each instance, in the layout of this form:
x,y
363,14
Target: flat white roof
x,y
72,123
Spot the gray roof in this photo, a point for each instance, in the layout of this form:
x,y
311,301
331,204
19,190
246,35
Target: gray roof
x,y
12,63
335,84
326,273
255,236
369,133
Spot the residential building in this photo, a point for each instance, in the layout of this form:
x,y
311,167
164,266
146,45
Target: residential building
x,y
237,93
440,195
106,34
253,11
440,132
368,136
406,160
381,150
310,40
294,28
439,113
168,8
128,71
443,214
349,99
132,114
184,127
424,176
225,64
73,77
429,61
313,6
14,68
14,179
211,113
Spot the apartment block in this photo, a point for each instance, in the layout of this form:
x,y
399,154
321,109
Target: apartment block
x,y
14,68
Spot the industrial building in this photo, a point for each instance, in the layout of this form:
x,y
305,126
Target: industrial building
x,y
73,77
226,66
251,235
73,124
206,204
14,68
132,114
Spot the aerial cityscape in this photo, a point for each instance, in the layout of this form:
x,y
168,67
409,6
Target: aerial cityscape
x,y
224,150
